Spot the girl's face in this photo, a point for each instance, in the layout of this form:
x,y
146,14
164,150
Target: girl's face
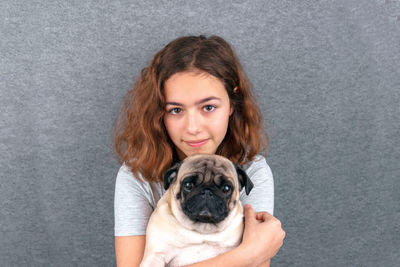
x,y
197,112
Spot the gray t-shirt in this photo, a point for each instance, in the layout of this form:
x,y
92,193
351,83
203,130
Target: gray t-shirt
x,y
135,200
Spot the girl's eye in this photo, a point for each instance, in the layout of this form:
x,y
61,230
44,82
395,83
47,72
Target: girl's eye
x,y
175,111
208,108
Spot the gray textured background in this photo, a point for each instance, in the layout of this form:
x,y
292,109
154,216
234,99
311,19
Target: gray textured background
x,y
327,77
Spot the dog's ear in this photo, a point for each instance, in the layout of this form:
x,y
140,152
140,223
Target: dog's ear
x,y
170,175
244,179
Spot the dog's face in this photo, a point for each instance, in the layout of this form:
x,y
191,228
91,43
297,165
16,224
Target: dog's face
x,y
205,189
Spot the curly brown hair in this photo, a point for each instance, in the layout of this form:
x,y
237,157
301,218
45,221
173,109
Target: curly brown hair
x,y
140,138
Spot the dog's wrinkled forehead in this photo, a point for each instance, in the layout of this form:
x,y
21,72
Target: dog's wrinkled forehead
x,y
209,166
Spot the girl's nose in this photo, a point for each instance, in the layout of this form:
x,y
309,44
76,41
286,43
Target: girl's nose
x,y
193,123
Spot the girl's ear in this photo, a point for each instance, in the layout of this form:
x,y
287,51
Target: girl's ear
x,y
235,90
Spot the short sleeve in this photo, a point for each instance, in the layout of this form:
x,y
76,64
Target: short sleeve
x,y
132,209
261,197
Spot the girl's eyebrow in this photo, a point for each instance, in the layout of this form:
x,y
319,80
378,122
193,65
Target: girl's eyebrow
x,y
196,103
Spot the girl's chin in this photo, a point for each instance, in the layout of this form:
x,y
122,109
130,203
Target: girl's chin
x,y
195,152
200,151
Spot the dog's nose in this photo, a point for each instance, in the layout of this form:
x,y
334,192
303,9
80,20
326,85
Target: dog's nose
x,y
207,192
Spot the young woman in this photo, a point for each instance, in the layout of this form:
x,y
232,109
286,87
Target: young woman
x,y
192,98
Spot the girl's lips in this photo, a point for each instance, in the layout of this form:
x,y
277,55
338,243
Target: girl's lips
x,y
196,143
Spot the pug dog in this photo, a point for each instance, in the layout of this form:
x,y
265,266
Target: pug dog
x,y
200,215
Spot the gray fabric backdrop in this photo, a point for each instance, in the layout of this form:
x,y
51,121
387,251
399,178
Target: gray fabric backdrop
x,y
327,77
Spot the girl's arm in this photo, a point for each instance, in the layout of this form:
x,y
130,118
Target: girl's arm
x,y
234,258
129,250
263,236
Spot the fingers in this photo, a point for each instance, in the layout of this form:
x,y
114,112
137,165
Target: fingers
x,y
249,214
267,217
260,216
263,216
263,234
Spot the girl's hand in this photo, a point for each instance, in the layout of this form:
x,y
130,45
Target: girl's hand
x,y
263,235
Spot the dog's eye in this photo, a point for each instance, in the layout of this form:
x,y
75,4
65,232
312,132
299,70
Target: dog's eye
x,y
188,186
226,188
